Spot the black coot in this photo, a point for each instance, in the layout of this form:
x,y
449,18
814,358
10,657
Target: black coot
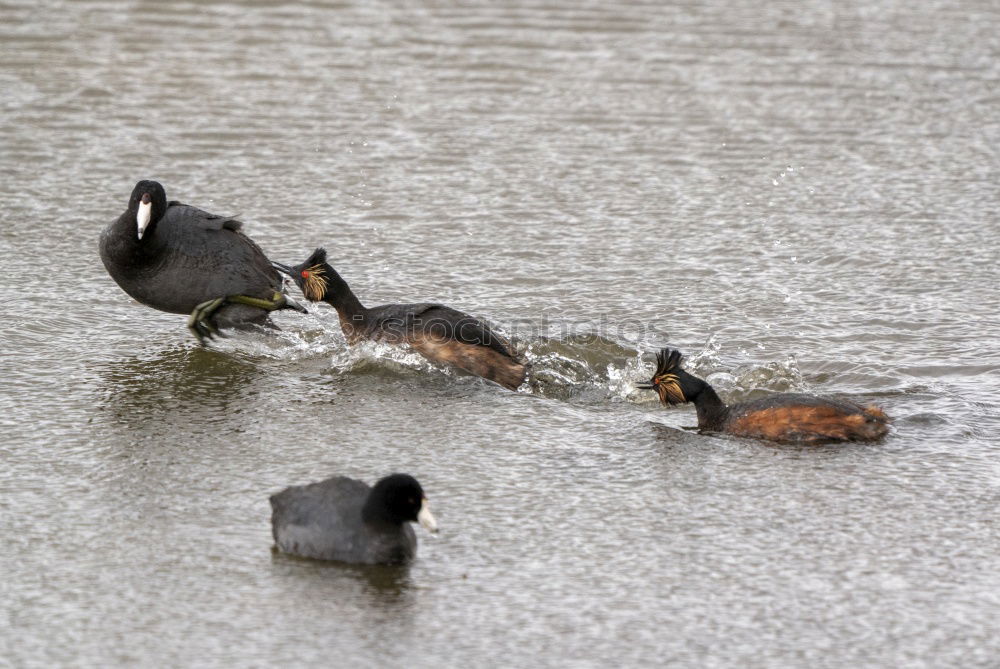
x,y
344,519
180,259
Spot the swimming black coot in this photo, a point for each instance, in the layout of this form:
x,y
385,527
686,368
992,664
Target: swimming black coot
x,y
344,519
437,332
180,259
789,417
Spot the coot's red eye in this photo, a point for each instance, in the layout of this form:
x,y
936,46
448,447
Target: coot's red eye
x,y
305,274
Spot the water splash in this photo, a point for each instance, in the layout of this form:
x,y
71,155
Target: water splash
x,y
585,367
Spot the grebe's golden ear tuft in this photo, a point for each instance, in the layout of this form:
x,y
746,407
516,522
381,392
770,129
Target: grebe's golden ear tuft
x,y
314,283
670,389
666,382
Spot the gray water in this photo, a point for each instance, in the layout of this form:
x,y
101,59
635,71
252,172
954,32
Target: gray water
x,y
799,195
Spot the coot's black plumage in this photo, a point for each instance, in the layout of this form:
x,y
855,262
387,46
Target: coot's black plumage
x,y
344,519
437,332
180,259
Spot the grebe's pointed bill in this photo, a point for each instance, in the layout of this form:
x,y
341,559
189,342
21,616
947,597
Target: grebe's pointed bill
x,y
144,214
425,518
645,385
282,267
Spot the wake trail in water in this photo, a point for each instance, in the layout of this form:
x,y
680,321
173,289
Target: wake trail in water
x,y
588,367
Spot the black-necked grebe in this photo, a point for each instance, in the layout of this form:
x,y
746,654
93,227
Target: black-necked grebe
x,y
437,332
788,417
180,259
344,519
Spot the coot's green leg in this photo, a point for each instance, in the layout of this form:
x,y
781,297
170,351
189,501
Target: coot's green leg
x,y
277,301
199,321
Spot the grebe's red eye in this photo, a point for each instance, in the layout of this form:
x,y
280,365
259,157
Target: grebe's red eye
x,y
305,274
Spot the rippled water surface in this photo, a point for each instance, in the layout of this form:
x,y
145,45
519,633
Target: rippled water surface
x,y
799,195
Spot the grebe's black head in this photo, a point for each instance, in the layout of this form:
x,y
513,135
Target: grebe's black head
x,y
398,499
147,203
312,276
674,385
